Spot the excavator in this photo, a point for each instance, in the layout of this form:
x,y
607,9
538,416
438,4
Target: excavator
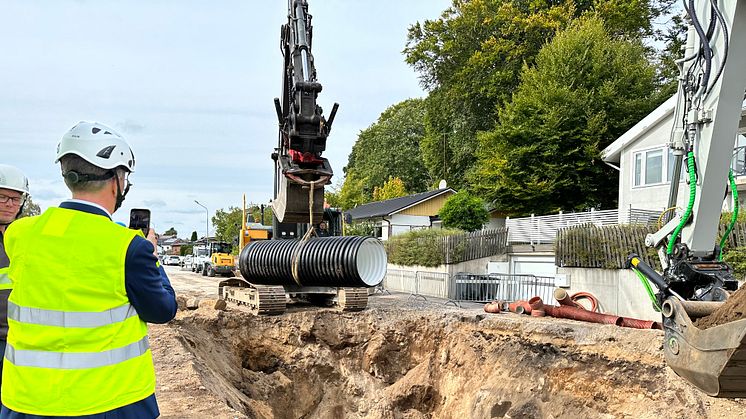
x,y
306,259
695,281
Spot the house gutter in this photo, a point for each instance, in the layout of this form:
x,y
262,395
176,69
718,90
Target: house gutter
x,y
388,236
619,169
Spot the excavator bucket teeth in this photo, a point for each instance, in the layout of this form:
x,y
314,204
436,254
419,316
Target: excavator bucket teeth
x,y
291,204
713,360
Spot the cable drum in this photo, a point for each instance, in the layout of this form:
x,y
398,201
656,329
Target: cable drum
x,y
349,261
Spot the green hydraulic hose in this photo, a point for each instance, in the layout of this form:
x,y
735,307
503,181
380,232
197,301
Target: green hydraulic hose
x,y
688,212
734,217
648,288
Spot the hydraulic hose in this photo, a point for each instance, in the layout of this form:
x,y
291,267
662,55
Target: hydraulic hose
x,y
690,206
648,289
733,217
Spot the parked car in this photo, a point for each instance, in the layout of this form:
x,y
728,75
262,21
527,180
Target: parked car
x,y
171,260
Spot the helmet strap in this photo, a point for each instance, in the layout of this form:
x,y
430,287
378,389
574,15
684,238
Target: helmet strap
x,y
121,195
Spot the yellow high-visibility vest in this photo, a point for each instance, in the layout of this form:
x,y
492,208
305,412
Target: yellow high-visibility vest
x,y
75,344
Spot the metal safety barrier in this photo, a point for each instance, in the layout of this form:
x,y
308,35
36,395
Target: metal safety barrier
x,y
466,287
418,284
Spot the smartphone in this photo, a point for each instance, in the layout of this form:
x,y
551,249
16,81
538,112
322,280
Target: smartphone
x,y
140,219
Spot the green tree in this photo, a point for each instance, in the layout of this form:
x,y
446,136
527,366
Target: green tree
x,y
390,147
332,194
171,232
470,60
586,89
30,209
353,192
194,236
392,188
255,214
464,212
227,224
185,249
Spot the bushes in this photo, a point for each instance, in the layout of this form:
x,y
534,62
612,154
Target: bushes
x,y
364,228
464,211
736,258
419,247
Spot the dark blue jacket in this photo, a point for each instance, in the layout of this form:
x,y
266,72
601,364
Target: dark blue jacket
x,y
150,292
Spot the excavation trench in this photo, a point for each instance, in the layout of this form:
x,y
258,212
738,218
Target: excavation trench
x,y
398,362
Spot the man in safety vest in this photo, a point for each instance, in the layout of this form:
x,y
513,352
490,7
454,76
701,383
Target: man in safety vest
x,y
13,195
83,289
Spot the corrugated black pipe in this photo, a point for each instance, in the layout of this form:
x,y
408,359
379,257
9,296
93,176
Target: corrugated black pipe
x,y
350,261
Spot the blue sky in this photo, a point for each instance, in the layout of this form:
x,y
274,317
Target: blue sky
x,y
190,85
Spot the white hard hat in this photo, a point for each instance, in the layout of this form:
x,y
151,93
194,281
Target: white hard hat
x,y
97,144
14,179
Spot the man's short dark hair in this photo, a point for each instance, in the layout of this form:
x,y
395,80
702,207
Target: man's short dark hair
x,y
75,163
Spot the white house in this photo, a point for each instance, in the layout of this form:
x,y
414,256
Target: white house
x,y
399,215
645,162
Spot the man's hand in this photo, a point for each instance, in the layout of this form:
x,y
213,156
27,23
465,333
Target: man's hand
x,y
153,239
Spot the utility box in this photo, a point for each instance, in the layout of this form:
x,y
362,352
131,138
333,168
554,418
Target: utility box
x,y
498,267
562,280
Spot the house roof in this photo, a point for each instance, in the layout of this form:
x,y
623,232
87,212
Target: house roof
x,y
391,206
613,152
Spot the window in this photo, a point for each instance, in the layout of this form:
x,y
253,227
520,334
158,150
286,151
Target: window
x,y
650,166
638,168
653,166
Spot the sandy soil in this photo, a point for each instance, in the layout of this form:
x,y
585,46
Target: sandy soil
x,y
406,358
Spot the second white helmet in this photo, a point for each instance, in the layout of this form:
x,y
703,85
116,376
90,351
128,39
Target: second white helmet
x,y
97,144
12,178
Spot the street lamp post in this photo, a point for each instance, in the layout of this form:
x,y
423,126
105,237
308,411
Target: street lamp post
x,y
207,225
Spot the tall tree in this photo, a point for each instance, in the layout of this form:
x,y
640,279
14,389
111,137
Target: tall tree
x,y
471,57
227,223
390,147
353,192
31,208
586,89
193,238
392,188
171,232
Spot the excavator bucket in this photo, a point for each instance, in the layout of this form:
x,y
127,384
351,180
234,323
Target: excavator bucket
x,y
714,359
292,202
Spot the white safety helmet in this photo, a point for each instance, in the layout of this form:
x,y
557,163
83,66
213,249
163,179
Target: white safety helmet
x,y
13,179
97,144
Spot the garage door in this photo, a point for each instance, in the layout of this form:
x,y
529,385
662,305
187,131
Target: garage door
x,y
537,265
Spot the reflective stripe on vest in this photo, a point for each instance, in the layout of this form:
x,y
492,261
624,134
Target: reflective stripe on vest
x,y
75,360
70,318
5,279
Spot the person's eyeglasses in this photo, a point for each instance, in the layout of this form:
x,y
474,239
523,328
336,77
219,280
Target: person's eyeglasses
x,y
13,199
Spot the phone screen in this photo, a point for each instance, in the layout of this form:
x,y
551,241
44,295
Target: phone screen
x,y
140,219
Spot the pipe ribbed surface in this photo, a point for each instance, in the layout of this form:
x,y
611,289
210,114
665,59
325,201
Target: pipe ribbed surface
x,y
350,261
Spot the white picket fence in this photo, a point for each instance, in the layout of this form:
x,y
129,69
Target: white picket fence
x,y
543,229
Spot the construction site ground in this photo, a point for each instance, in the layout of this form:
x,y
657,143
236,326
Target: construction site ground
x,y
408,358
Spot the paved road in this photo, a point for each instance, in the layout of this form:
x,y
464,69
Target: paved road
x,y
188,282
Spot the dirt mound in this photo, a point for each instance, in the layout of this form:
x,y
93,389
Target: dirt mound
x,y
733,309
399,363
